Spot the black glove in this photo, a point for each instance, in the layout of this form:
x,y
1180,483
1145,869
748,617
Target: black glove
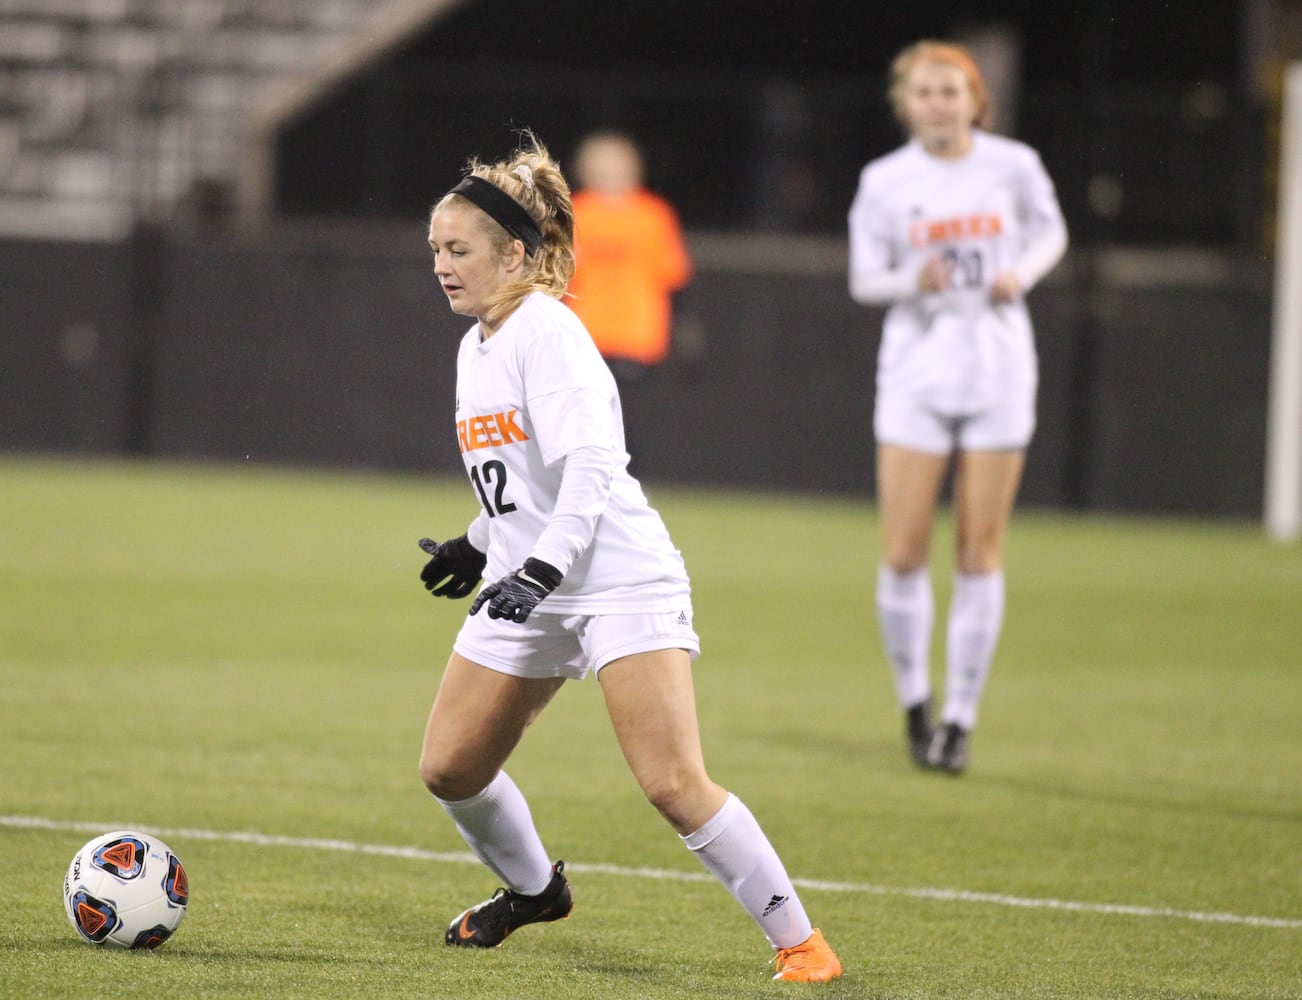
x,y
455,569
516,595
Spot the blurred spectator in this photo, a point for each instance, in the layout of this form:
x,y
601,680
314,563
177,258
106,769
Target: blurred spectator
x,y
629,256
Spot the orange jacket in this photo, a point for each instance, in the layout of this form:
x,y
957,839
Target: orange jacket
x,y
629,257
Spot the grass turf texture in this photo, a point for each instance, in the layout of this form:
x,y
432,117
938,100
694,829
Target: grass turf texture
x,y
244,649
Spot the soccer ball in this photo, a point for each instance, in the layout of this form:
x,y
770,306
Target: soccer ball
x,y
125,890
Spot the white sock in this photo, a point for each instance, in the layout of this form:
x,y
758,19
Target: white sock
x,y
498,827
905,611
976,615
734,849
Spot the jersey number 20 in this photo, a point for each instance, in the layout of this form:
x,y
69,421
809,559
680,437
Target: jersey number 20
x,y
968,267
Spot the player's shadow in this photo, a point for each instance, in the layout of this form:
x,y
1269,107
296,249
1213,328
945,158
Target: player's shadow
x,y
837,746
1183,807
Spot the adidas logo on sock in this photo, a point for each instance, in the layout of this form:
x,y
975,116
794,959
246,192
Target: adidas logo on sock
x,y
775,903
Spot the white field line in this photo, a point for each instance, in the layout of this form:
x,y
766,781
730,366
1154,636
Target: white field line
x,y
462,858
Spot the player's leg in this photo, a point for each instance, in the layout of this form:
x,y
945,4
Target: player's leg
x,y
985,489
478,717
908,490
652,707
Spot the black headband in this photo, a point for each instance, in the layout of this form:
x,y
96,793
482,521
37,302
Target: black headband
x,y
502,209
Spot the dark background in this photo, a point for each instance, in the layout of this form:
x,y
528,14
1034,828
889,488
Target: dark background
x,y
322,339
726,97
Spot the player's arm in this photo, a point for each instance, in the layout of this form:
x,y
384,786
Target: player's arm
x,y
576,432
668,249
1045,231
579,416
876,277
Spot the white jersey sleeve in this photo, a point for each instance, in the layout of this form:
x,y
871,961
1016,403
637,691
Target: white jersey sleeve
x,y
477,533
1044,233
877,274
568,397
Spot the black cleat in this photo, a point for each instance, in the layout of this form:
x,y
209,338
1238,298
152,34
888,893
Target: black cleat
x,y
948,750
492,921
917,729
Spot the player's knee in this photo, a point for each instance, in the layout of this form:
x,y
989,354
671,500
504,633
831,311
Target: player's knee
x,y
905,562
663,791
978,560
675,794
432,775
445,780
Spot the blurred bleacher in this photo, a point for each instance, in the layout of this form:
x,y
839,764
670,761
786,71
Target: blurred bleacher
x,y
113,110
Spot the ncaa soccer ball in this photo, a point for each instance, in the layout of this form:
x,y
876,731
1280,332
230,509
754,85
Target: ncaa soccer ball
x,y
125,890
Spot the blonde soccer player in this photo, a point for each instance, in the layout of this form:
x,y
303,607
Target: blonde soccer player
x,y
951,230
584,577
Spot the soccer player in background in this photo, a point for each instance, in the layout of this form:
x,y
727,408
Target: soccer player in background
x,y
585,577
951,230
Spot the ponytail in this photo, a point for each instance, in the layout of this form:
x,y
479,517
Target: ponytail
x,y
535,181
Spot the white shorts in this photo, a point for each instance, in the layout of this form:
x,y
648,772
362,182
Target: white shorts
x,y
571,645
904,420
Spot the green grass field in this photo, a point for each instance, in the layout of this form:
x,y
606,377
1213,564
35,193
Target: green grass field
x,y
242,659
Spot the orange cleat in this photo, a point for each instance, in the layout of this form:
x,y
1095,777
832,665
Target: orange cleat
x,y
811,961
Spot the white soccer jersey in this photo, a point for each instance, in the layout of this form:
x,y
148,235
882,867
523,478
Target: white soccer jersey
x,y
534,400
991,211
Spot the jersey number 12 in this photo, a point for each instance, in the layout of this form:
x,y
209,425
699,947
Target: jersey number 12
x,y
493,475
